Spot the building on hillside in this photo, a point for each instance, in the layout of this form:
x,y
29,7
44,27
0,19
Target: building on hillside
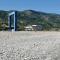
x,y
33,28
37,27
28,28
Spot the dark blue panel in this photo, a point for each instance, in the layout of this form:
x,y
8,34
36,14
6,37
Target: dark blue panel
x,y
12,18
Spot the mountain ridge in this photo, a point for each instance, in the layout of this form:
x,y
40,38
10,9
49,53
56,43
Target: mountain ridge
x,y
31,17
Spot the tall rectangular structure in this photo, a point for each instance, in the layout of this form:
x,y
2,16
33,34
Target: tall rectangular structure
x,y
12,21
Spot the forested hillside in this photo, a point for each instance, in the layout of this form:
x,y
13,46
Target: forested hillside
x,y
49,21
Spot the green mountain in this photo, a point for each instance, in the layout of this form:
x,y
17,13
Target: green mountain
x,y
49,21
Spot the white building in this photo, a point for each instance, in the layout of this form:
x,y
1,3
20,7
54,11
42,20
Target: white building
x,y
33,28
29,28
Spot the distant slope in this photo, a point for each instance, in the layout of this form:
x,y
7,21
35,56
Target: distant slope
x,y
30,17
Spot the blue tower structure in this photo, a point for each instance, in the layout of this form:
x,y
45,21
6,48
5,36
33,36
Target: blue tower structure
x,y
12,21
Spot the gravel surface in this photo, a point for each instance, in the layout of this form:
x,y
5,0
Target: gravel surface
x,y
29,45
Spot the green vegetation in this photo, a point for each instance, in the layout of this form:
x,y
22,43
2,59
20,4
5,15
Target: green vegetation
x,y
30,17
